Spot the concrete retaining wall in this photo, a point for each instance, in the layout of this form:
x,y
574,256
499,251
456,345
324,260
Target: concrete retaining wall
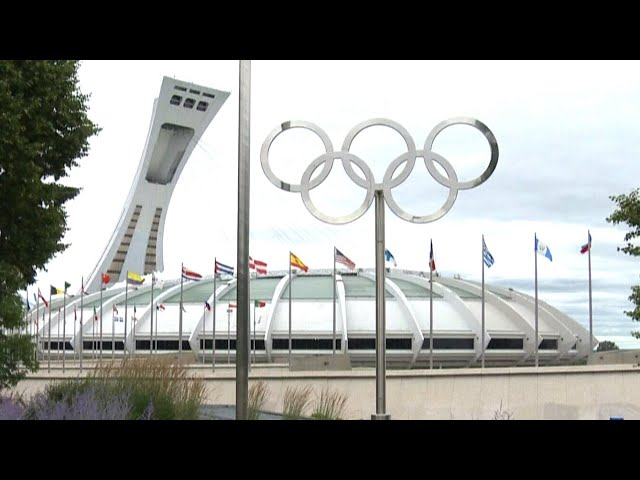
x,y
577,392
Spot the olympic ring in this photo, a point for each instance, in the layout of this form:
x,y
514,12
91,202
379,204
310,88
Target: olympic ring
x,y
389,182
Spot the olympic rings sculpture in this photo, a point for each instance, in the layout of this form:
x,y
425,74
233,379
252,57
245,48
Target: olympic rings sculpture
x,y
389,182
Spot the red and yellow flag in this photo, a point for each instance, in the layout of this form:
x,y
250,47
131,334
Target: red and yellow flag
x,y
296,262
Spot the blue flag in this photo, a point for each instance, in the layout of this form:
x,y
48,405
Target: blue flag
x,y
543,250
486,255
389,257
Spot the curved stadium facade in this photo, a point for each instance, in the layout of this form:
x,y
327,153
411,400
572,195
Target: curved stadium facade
x,y
509,315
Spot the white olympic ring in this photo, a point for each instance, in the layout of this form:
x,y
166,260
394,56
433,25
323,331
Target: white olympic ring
x,y
389,182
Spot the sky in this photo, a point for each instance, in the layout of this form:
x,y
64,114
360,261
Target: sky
x,y
567,133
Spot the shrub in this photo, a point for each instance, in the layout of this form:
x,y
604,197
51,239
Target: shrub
x,y
135,389
95,402
58,391
11,407
295,402
329,405
157,388
258,393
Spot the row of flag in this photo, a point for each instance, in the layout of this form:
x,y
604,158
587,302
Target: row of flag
x,y
388,256
96,316
295,261
256,303
539,247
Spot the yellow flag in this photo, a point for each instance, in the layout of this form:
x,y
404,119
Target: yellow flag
x,y
296,262
134,279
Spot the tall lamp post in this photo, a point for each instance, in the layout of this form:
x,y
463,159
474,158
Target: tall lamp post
x,y
381,192
242,323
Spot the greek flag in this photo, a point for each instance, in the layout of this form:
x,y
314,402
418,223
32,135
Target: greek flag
x,y
486,255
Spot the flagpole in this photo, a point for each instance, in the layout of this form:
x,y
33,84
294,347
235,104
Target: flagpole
x,y
334,300
93,332
229,336
213,333
64,327
204,318
49,340
133,330
75,327
44,311
430,310
126,305
254,333
101,282
156,338
37,325
483,325
180,321
153,281
113,334
58,335
590,311
81,324
290,280
535,255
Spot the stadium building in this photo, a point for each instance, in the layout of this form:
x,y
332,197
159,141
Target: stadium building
x,y
147,319
509,339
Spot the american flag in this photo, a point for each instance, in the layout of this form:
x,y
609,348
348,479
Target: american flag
x,y
344,260
258,265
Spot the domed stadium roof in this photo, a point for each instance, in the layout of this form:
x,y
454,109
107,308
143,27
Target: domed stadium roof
x,y
457,325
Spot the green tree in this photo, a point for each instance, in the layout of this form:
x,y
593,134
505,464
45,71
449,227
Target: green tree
x,y
628,212
44,129
606,345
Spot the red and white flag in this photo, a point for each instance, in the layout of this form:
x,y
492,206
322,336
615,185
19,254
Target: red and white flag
x,y
46,304
258,265
190,275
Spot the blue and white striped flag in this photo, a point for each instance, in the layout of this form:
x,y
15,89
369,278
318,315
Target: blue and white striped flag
x,y
222,268
486,255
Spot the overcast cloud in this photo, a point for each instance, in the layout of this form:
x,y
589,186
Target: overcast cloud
x,y
567,133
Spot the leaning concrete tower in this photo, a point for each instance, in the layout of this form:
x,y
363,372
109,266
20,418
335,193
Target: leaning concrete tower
x,y
181,114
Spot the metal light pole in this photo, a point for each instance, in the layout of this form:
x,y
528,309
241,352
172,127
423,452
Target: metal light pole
x,y
242,320
381,191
